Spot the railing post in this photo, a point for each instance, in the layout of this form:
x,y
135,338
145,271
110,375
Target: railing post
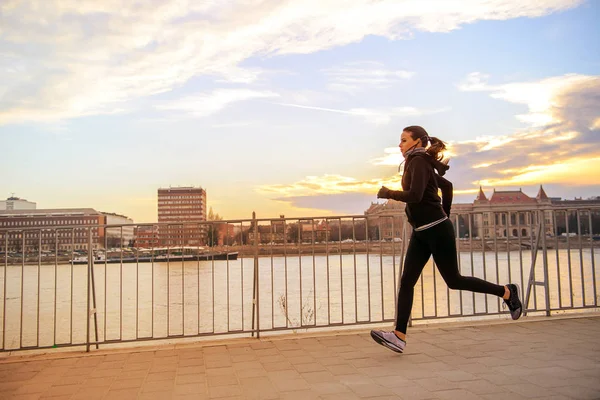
x,y
540,240
545,259
255,291
89,279
531,281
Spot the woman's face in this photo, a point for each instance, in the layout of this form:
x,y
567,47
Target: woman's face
x,y
407,142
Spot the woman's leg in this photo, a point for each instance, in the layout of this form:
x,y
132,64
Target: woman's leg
x,y
416,257
417,254
443,246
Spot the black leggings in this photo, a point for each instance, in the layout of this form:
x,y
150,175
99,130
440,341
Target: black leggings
x,y
439,241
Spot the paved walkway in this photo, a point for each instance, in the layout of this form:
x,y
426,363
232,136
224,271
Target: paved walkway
x,y
547,359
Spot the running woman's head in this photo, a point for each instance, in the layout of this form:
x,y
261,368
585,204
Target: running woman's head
x,y
415,136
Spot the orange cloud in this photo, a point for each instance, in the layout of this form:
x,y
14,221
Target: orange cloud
x,y
575,171
327,184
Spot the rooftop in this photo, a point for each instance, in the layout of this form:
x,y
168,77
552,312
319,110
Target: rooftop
x,y
114,214
49,212
182,188
510,197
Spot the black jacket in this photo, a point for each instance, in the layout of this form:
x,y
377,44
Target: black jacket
x,y
420,183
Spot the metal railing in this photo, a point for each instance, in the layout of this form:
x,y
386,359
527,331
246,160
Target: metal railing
x,y
279,274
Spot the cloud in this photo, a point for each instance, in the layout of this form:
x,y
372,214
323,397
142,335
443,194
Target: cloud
x,y
355,77
392,157
375,116
565,149
241,124
331,204
334,194
571,172
205,104
325,185
560,147
564,152
63,59
329,193
489,164
539,96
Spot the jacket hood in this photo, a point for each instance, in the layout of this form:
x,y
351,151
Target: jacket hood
x,y
439,166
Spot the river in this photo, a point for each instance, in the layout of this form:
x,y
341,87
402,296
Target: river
x,y
160,299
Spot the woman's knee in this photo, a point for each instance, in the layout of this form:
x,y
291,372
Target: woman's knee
x,y
407,282
455,282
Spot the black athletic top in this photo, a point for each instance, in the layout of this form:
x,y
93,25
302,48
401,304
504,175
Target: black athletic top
x,y
420,183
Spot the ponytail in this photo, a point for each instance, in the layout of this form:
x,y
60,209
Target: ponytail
x,y
436,145
436,148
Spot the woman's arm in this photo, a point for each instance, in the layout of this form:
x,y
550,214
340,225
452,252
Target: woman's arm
x,y
447,193
419,176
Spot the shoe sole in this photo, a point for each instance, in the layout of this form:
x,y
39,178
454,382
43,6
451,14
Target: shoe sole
x,y
520,309
384,343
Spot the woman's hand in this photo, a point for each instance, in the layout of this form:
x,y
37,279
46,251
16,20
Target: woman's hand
x,y
384,193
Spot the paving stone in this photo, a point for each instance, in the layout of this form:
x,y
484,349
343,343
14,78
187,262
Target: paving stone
x,y
158,386
364,390
224,391
277,366
258,388
63,390
159,395
161,376
188,370
311,367
221,380
456,394
299,395
134,383
317,376
456,375
342,369
329,387
349,395
191,362
190,388
436,383
290,384
220,371
185,379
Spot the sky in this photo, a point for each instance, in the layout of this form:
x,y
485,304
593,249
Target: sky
x,y
292,107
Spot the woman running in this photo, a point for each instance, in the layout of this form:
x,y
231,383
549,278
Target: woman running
x,y
433,233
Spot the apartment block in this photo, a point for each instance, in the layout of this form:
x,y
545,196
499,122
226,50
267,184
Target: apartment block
x,y
182,216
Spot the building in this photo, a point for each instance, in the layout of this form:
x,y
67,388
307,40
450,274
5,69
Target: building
x,y
122,234
506,214
181,216
146,236
568,220
387,217
315,231
52,229
273,233
278,231
226,233
15,203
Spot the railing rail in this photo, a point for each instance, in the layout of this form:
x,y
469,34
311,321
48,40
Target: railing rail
x,y
266,275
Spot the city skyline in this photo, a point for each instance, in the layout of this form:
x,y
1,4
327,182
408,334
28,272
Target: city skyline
x,y
490,194
293,108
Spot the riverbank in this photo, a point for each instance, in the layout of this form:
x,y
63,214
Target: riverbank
x,y
375,247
